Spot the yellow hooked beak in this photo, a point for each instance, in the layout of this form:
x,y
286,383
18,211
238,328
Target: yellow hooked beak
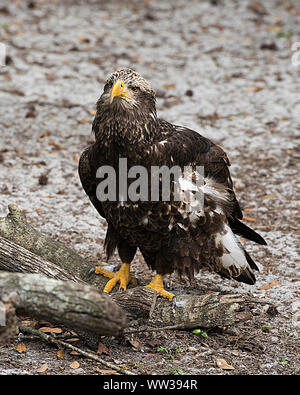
x,y
119,90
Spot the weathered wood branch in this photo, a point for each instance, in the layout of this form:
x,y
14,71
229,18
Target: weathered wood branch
x,y
72,304
14,258
15,228
8,318
187,311
207,311
24,249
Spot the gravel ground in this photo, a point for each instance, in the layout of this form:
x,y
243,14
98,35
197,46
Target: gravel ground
x,y
223,68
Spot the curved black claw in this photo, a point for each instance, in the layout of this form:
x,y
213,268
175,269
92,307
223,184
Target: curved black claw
x,y
91,271
174,301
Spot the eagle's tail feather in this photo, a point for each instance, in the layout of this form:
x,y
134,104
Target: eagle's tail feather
x,y
235,262
243,230
250,261
246,277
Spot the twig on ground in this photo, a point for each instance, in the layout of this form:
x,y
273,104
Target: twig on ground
x,y
52,340
147,329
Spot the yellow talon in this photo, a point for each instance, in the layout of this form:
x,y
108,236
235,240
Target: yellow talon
x,y
104,272
157,285
123,276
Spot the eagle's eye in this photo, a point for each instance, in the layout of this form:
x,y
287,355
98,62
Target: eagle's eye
x,y
134,88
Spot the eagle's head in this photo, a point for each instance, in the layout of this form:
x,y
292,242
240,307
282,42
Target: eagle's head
x,y
127,93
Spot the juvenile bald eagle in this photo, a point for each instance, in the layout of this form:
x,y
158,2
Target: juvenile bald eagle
x,y
171,234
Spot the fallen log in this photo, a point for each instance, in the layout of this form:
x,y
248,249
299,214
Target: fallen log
x,y
15,258
72,304
186,311
207,311
8,318
14,227
189,311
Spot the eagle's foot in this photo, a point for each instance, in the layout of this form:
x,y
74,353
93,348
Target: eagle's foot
x,y
123,276
157,285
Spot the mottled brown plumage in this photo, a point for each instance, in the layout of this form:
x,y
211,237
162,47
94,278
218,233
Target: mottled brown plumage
x,y
169,235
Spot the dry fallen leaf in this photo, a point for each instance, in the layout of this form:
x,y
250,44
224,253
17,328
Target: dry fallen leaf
x,y
274,28
83,39
75,157
258,8
265,287
55,145
42,368
39,211
169,86
49,76
60,353
21,347
74,353
135,343
29,323
271,196
47,329
74,365
251,219
103,349
83,120
222,364
254,88
72,340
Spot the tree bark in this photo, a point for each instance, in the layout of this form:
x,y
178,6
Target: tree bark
x,y
187,311
8,318
69,303
207,311
15,228
14,258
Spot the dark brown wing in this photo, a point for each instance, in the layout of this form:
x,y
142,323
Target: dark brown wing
x,y
217,167
88,164
189,148
88,179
